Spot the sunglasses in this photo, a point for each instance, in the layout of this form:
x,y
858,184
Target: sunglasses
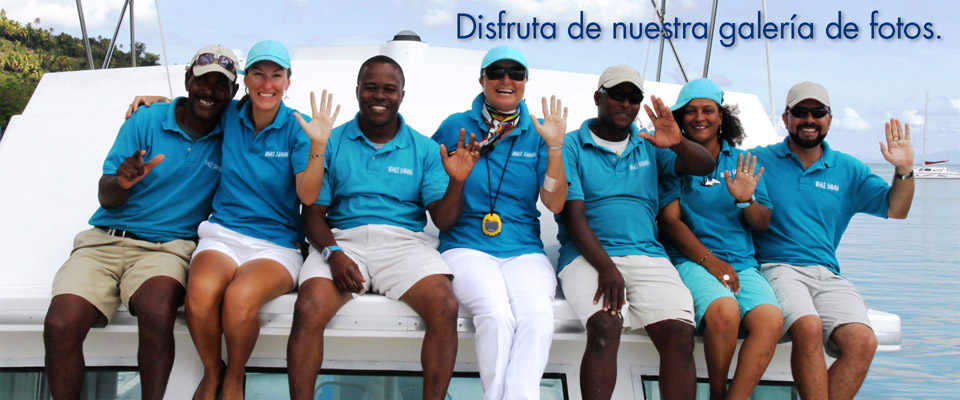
x,y
621,95
211,58
496,73
801,112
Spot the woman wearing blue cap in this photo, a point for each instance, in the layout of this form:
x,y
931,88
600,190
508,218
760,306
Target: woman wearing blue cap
x,y
709,223
501,272
248,250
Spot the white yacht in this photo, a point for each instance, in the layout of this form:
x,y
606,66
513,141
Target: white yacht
x,y
52,154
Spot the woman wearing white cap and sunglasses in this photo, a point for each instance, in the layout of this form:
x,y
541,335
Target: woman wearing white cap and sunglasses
x,y
501,272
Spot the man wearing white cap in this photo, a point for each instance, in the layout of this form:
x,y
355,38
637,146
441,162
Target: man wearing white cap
x,y
145,230
609,254
817,190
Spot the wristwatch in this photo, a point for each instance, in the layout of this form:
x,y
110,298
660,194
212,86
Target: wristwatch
x,y
748,203
328,251
903,177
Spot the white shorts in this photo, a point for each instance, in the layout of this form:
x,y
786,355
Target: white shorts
x,y
654,290
242,248
391,259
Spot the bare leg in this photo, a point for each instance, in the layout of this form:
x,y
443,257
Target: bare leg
x,y
210,272
722,323
765,325
674,342
257,282
806,359
432,298
317,302
598,369
857,344
155,303
68,321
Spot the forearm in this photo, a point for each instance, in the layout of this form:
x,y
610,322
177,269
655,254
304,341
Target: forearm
x,y
678,233
757,217
446,212
110,193
315,226
692,158
310,180
588,244
901,195
556,176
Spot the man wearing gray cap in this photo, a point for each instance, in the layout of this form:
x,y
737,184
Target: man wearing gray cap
x,y
817,190
145,230
609,254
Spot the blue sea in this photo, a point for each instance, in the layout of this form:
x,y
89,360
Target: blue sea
x,y
912,268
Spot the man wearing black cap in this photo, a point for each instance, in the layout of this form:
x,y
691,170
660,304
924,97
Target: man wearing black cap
x,y
145,230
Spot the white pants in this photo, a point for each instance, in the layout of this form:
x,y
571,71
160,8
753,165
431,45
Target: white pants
x,y
511,300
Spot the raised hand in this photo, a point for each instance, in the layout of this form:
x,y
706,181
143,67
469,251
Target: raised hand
x,y
610,286
667,131
554,124
132,170
346,274
321,122
459,163
744,183
898,150
144,101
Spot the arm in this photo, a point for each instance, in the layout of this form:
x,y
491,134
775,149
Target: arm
x,y
346,274
692,158
310,180
610,284
743,186
446,211
114,189
675,230
145,101
899,152
553,193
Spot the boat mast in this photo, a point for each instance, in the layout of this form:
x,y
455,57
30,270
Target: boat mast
x,y
926,104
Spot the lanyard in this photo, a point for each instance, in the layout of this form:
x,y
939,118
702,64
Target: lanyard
x,y
494,198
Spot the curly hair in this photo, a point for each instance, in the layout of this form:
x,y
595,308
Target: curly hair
x,y
730,128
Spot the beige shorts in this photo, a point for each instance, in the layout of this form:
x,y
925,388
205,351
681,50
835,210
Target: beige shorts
x,y
815,290
391,259
654,290
107,270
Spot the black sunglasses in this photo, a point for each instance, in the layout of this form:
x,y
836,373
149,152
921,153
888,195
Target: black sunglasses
x,y
210,58
620,95
496,73
801,112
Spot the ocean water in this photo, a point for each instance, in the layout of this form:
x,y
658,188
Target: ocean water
x,y
911,268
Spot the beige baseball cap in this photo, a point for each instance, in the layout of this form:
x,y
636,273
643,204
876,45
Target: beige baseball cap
x,y
618,74
214,58
807,90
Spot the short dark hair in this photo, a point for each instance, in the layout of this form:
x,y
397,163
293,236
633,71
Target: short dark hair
x,y
381,59
730,128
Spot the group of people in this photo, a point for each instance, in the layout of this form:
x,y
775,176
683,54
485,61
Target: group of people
x,y
671,231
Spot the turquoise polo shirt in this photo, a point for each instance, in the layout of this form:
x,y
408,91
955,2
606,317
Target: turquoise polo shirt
x,y
620,193
258,189
814,205
171,200
520,191
711,212
391,186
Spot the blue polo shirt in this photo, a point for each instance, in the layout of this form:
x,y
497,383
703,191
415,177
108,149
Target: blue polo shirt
x,y
258,189
171,200
711,212
620,193
520,191
814,205
392,186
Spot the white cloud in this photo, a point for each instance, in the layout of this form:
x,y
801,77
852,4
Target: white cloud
x,y
850,120
912,117
955,104
62,15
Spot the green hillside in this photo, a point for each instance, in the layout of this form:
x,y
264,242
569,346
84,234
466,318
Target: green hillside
x,y
29,51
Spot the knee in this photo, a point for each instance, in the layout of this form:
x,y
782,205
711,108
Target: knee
x,y
203,296
673,338
862,345
807,330
604,330
240,304
443,313
723,316
156,319
59,328
765,320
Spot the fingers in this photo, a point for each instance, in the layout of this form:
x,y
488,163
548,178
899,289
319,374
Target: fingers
x,y
303,122
313,103
653,117
644,134
443,152
597,295
759,173
735,283
547,111
536,122
356,278
153,163
906,132
463,133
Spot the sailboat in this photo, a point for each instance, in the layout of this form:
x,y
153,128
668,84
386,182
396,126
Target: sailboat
x,y
932,169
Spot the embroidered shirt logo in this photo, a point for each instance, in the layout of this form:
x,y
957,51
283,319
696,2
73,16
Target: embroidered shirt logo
x,y
212,165
523,154
278,154
829,186
400,170
639,165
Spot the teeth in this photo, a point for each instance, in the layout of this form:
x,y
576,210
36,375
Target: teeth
x,y
267,94
206,102
378,108
504,91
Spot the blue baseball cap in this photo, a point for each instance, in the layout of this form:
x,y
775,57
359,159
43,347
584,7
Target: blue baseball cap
x,y
504,53
702,88
268,50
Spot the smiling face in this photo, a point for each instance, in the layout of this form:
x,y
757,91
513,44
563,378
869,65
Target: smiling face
x,y
503,94
267,82
807,132
617,115
379,94
207,96
701,120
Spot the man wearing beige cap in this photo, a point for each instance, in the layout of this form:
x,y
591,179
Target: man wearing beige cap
x,y
158,182
609,254
817,190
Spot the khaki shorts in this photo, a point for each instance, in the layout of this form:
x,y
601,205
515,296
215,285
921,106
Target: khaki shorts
x,y
815,290
654,290
391,259
107,270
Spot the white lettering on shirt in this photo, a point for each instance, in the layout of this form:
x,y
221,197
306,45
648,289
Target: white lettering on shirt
x,y
278,154
523,154
400,170
639,165
212,165
829,186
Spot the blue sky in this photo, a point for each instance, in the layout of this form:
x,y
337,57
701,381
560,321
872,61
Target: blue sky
x,y
869,80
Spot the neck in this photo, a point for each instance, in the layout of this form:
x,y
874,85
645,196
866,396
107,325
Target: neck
x,y
379,134
713,146
610,133
262,118
186,118
807,156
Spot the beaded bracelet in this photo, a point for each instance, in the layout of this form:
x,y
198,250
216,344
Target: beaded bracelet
x,y
705,257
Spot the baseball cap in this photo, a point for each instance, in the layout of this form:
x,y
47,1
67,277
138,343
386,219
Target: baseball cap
x,y
222,60
702,88
618,74
504,53
268,50
807,90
